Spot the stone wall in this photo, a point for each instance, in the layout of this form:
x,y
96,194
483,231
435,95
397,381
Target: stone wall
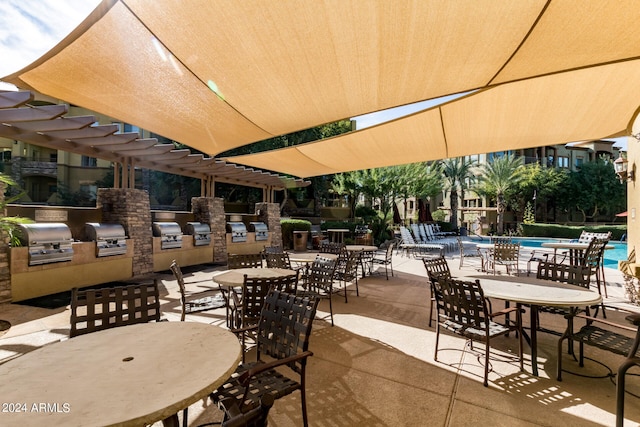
x,y
269,213
131,208
210,210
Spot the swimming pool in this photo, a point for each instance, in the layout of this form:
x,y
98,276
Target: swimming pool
x,y
611,256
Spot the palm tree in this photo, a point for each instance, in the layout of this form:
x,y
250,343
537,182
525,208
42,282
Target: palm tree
x,y
459,174
497,179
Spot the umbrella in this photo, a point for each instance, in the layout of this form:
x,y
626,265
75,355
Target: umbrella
x,y
428,211
396,214
422,211
625,213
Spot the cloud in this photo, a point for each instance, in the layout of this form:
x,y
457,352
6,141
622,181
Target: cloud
x,y
30,28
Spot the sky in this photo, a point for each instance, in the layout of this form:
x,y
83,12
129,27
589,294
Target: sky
x,y
30,28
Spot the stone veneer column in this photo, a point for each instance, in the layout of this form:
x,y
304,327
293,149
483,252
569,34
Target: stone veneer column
x,y
132,209
5,274
210,210
269,213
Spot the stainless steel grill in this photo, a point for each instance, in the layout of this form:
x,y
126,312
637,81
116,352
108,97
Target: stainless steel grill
x,y
47,242
238,231
170,234
200,231
261,230
110,238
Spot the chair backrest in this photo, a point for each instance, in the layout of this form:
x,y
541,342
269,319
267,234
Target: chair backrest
x,y
97,309
277,260
417,236
347,265
235,261
321,274
389,253
506,252
565,273
254,292
463,302
285,326
426,232
274,249
406,236
593,254
177,273
588,236
331,248
437,267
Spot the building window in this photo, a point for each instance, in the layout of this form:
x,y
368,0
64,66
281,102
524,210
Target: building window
x,y
579,161
563,162
53,157
550,161
89,162
130,128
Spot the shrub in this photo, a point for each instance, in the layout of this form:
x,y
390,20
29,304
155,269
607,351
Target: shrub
x,y
289,226
439,215
570,231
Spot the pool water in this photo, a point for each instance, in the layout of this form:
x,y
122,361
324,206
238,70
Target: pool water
x,y
611,256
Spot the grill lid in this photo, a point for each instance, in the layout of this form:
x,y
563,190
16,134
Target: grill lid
x,y
45,232
99,231
236,227
258,227
161,229
195,228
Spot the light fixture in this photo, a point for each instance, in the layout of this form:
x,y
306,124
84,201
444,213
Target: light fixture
x,y
621,166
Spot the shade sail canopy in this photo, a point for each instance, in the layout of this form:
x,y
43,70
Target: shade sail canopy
x,y
50,127
586,104
216,75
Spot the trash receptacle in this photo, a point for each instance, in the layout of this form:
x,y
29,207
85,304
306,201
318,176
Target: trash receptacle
x,y
463,231
300,240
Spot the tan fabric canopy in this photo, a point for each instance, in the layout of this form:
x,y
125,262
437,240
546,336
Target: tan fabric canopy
x,y
592,103
216,75
48,126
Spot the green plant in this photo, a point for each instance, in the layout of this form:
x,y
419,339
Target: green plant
x,y
289,226
439,215
9,225
570,231
529,215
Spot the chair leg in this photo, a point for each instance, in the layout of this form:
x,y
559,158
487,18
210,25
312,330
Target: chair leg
x,y
435,354
331,309
620,386
303,398
486,364
431,311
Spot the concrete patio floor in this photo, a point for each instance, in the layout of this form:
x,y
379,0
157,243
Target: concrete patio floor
x,y
376,366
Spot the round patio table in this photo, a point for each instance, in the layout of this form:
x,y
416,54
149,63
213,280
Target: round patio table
x,y
537,293
234,278
366,255
127,376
